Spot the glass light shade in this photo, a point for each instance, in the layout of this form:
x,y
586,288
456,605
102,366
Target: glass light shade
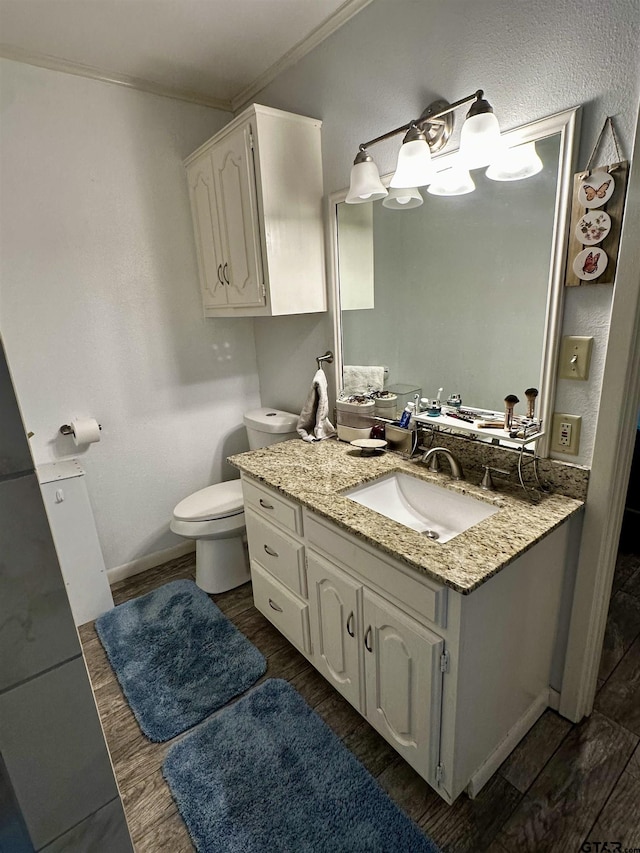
x,y
365,184
480,140
403,199
517,163
453,181
414,167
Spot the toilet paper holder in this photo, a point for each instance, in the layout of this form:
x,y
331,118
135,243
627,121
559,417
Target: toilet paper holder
x,y
67,429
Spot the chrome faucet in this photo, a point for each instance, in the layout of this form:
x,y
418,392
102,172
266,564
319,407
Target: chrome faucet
x,y
431,456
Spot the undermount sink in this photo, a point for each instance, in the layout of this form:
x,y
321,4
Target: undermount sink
x,y
437,512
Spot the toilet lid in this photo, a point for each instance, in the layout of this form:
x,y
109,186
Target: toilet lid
x,y
218,501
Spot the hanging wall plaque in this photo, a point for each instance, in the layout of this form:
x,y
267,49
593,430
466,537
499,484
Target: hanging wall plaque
x,y
596,220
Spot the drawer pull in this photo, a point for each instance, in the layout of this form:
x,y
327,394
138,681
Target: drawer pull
x,y
265,505
271,552
350,630
275,606
367,640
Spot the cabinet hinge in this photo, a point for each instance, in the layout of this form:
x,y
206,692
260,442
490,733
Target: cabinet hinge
x,y
264,291
444,662
439,773
251,145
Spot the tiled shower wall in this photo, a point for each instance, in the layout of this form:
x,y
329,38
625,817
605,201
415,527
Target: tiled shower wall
x,y
57,790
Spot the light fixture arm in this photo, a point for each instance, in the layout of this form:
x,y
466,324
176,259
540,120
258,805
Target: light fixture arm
x,y
430,122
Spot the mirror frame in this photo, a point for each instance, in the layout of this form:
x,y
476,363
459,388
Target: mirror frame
x,y
567,124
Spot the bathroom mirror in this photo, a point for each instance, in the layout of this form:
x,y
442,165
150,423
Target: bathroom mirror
x,y
463,292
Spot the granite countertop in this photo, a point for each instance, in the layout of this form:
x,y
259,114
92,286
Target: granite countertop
x,y
316,474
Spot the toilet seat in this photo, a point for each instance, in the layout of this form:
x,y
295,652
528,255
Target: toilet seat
x,y
222,500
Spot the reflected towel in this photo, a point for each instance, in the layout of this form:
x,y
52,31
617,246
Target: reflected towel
x,y
360,378
313,423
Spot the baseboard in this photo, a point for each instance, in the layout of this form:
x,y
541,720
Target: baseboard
x,y
513,738
149,561
554,699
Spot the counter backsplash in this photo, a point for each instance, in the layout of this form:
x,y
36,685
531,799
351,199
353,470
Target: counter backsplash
x,y
563,477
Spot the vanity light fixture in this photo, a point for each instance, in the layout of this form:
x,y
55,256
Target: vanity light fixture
x,y
423,137
453,181
365,182
516,163
402,199
413,168
480,135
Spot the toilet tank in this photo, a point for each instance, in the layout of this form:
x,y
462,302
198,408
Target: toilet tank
x,y
268,426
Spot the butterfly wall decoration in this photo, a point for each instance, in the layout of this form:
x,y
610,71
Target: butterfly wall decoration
x,y
592,192
596,190
591,263
594,233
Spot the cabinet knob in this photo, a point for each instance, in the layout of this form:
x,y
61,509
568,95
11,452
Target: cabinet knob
x,y
367,640
275,606
265,505
225,273
271,552
350,630
220,274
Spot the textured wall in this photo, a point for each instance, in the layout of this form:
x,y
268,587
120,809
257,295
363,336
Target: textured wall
x,y
99,300
532,58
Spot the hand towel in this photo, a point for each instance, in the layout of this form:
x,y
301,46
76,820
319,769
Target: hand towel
x,y
313,423
360,378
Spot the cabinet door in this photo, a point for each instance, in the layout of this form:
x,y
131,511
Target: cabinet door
x,y
333,613
238,210
207,232
403,682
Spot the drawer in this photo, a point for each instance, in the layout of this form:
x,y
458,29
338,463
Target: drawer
x,y
271,505
424,598
288,613
279,553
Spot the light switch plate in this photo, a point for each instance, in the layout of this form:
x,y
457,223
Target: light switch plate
x,y
575,357
565,433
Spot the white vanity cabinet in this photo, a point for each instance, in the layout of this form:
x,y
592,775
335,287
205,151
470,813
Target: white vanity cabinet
x,y
334,614
277,557
451,681
380,659
403,681
256,201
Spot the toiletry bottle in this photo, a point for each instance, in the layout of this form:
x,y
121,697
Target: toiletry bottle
x,y
406,416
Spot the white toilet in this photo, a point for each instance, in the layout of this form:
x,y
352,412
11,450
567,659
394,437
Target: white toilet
x,y
214,516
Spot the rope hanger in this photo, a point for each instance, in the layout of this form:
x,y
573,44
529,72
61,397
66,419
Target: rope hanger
x,y
608,123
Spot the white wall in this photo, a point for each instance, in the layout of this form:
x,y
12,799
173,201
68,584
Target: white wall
x,y
384,66
99,300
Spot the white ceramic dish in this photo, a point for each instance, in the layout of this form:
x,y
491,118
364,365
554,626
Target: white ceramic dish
x,y
369,446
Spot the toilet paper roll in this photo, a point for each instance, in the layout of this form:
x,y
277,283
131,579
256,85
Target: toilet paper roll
x,y
85,431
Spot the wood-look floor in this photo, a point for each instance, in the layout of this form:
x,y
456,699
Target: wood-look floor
x,y
564,784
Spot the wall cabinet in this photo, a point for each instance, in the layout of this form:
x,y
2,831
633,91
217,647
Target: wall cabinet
x,y
256,201
451,681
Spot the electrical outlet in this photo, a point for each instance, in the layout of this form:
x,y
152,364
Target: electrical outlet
x,y
575,357
565,433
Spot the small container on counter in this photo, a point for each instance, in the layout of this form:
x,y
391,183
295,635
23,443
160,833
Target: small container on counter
x,y
354,417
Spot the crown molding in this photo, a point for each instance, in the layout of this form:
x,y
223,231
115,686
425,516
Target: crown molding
x,y
53,63
340,17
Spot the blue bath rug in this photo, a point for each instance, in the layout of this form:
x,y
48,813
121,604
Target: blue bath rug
x,y
267,775
177,657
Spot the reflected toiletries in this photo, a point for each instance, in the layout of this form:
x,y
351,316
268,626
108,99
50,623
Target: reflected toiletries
x,y
405,419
